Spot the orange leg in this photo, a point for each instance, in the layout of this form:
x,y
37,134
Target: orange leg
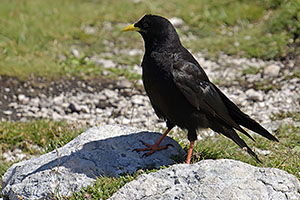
x,y
155,147
189,156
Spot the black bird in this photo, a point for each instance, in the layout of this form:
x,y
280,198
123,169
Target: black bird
x,y
180,91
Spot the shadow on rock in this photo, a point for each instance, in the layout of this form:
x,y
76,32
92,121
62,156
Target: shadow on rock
x,y
100,151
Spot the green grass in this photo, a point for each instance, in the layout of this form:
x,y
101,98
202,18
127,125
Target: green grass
x,y
103,188
43,133
36,37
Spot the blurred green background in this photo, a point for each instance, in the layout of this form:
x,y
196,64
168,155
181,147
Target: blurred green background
x,y
36,37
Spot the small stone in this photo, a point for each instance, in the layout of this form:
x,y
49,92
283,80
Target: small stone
x,y
261,151
35,101
56,116
109,93
103,62
58,99
134,52
74,107
84,108
21,97
7,112
137,99
105,72
272,70
90,30
75,53
65,105
254,95
124,83
13,105
125,121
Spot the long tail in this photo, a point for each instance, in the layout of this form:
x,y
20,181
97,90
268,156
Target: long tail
x,y
243,119
230,133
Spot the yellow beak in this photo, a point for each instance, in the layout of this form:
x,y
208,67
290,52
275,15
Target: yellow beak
x,y
131,28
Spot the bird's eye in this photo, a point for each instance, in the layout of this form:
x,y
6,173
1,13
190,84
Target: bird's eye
x,y
145,25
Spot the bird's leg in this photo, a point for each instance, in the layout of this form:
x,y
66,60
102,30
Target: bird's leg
x,y
189,156
155,147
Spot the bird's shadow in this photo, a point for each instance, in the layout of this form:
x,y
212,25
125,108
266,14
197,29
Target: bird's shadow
x,y
108,157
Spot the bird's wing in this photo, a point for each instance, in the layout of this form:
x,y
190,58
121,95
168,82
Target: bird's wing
x,y
201,93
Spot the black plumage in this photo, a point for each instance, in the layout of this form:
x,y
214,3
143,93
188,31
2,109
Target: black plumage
x,y
180,91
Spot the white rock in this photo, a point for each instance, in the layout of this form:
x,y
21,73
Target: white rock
x,y
254,95
137,99
7,112
109,93
272,70
212,179
75,53
103,62
23,99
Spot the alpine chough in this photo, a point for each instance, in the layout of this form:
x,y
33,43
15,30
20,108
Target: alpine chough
x,y
180,91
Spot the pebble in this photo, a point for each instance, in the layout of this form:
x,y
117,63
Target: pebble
x,y
103,62
75,53
90,30
7,112
254,95
272,70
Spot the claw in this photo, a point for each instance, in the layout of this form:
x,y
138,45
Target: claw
x,y
155,147
151,148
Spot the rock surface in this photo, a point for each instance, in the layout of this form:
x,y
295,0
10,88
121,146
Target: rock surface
x,y
213,179
105,150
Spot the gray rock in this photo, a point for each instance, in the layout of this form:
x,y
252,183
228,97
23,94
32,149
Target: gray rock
x,y
23,99
138,99
103,62
272,70
254,95
7,112
124,83
105,150
213,179
110,94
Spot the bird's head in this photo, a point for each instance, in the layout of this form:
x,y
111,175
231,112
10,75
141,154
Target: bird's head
x,y
154,29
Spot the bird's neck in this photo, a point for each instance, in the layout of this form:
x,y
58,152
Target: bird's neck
x,y
165,43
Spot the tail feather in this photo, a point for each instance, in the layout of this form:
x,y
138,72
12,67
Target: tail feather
x,y
243,119
230,133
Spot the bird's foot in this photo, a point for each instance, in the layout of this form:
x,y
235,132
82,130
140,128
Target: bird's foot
x,y
151,148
